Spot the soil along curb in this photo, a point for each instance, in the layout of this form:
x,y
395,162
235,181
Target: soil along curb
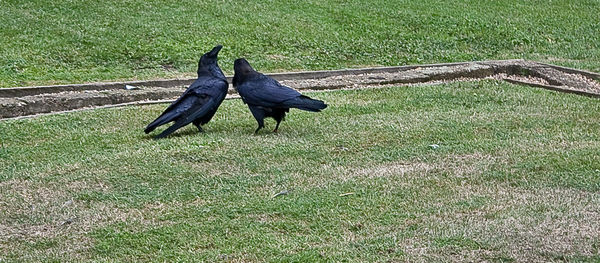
x,y
27,101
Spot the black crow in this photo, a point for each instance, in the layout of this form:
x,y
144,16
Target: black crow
x,y
266,97
200,101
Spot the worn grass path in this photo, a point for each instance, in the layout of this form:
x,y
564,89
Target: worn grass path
x,y
516,177
46,42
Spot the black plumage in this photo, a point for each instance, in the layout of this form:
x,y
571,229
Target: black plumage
x,y
200,101
268,98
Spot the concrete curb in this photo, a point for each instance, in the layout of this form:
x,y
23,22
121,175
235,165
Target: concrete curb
x,y
168,83
32,101
589,74
554,88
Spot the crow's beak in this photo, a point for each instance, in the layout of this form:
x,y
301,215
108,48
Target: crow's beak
x,y
215,51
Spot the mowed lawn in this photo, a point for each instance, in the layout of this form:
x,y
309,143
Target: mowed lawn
x,y
48,42
516,177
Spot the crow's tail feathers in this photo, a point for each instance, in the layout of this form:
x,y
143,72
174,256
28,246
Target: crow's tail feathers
x,y
306,103
162,119
193,113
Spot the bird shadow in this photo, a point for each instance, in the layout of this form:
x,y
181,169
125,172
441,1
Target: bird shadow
x,y
229,130
187,132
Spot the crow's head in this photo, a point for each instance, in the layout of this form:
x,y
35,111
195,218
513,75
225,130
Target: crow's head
x,y
242,70
242,67
208,62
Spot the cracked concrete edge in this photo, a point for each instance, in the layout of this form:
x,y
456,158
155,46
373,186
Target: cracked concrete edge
x,y
330,73
589,74
517,67
554,88
167,83
133,103
229,96
37,90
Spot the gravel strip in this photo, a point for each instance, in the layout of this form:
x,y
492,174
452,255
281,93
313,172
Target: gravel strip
x,y
515,71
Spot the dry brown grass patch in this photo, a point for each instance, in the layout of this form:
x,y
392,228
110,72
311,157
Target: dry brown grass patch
x,y
528,225
34,212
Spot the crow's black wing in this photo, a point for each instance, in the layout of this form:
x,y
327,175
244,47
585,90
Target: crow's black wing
x,y
199,106
206,85
265,91
195,96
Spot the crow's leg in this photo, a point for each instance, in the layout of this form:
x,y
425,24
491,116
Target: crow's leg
x,y
279,115
197,124
259,115
277,126
261,124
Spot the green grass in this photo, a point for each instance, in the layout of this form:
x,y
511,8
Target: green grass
x,y
45,42
516,178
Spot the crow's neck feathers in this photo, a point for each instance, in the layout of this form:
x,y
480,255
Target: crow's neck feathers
x,y
212,70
